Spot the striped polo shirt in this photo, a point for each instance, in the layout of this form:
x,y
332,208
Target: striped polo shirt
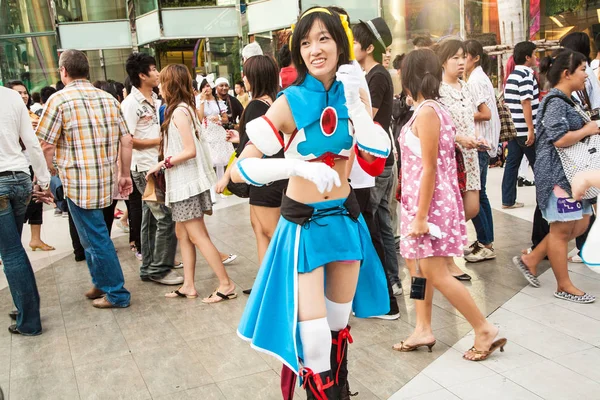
x,y
521,85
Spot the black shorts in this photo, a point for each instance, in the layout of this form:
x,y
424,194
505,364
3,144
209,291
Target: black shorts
x,y
268,195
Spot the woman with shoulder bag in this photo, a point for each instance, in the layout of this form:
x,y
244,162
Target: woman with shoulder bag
x,y
260,79
189,177
560,125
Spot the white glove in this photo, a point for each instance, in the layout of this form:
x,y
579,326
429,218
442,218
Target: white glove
x,y
258,172
351,77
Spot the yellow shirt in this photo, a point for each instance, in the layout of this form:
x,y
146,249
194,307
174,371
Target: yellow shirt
x,y
244,99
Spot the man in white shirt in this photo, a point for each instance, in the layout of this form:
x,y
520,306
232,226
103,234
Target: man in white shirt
x,y
15,191
140,110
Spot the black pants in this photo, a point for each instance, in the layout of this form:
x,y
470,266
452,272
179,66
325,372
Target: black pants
x,y
540,228
363,196
109,217
134,210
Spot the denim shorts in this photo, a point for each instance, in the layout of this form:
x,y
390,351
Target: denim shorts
x,y
569,209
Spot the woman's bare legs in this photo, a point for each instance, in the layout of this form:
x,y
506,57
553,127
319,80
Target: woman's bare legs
x,y
36,238
188,253
423,333
196,230
460,298
264,221
471,206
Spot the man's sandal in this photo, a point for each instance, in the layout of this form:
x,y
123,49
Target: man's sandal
x,y
216,297
480,355
407,347
176,294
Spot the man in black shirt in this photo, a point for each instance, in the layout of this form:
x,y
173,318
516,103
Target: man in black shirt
x,y
234,107
371,38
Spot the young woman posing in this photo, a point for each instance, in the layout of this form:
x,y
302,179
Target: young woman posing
x,y
559,125
456,98
432,205
321,233
189,177
261,79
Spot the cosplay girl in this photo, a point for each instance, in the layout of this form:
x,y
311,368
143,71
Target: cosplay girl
x,y
320,264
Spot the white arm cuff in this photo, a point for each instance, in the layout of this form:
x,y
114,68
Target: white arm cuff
x,y
263,134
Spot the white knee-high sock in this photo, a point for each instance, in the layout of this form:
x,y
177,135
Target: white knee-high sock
x,y
338,314
316,344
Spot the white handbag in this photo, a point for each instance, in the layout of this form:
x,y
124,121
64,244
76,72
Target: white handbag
x,y
590,253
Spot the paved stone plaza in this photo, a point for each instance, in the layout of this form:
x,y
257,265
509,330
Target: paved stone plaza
x,y
183,349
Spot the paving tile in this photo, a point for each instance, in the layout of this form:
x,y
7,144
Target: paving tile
x,y
226,357
419,385
48,295
550,381
367,332
35,355
565,321
521,301
171,369
514,356
442,394
492,388
97,343
59,384
536,337
583,362
151,333
5,388
440,318
259,386
452,334
208,392
117,378
382,370
200,322
450,368
81,314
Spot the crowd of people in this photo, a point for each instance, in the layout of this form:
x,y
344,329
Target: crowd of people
x,y
342,175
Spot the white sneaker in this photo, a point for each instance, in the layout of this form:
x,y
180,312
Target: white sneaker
x,y
178,265
397,289
471,248
65,214
231,258
171,278
388,317
481,253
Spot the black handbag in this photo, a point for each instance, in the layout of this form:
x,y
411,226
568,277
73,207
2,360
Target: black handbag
x,y
239,189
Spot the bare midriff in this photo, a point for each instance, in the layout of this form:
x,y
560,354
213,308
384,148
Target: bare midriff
x,y
304,191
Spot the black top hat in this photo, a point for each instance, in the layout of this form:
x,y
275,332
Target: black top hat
x,y
380,31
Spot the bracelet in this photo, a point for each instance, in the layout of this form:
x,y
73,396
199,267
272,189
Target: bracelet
x,y
168,163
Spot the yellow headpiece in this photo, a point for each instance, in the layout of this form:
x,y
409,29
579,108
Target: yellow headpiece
x,y
345,25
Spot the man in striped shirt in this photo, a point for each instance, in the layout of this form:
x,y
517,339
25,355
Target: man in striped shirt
x,y
84,127
521,94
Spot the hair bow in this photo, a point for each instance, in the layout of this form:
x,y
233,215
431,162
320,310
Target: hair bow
x,y
210,78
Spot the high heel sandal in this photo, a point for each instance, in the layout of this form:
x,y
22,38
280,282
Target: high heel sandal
x,y
480,355
404,348
43,247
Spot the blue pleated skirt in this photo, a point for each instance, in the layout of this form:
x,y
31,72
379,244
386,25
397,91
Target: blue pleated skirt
x,y
270,319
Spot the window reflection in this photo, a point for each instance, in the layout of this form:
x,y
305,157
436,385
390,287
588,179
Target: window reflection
x,y
24,16
32,60
90,10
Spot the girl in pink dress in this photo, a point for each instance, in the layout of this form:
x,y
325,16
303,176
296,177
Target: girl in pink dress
x,y
433,221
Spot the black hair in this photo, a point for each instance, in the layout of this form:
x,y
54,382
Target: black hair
x,y
59,86
475,48
285,56
12,84
578,41
397,63
46,92
333,25
446,49
422,73
522,51
241,83
564,59
76,64
108,87
119,88
422,41
262,74
597,42
35,97
365,38
213,90
128,85
138,63
195,84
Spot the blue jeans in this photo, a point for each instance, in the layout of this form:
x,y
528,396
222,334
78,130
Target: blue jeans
x,y
516,151
157,235
15,193
100,254
483,222
380,201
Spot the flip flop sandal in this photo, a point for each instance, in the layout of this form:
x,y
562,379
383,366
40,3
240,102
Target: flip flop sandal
x,y
481,355
221,297
463,277
532,279
581,299
176,294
